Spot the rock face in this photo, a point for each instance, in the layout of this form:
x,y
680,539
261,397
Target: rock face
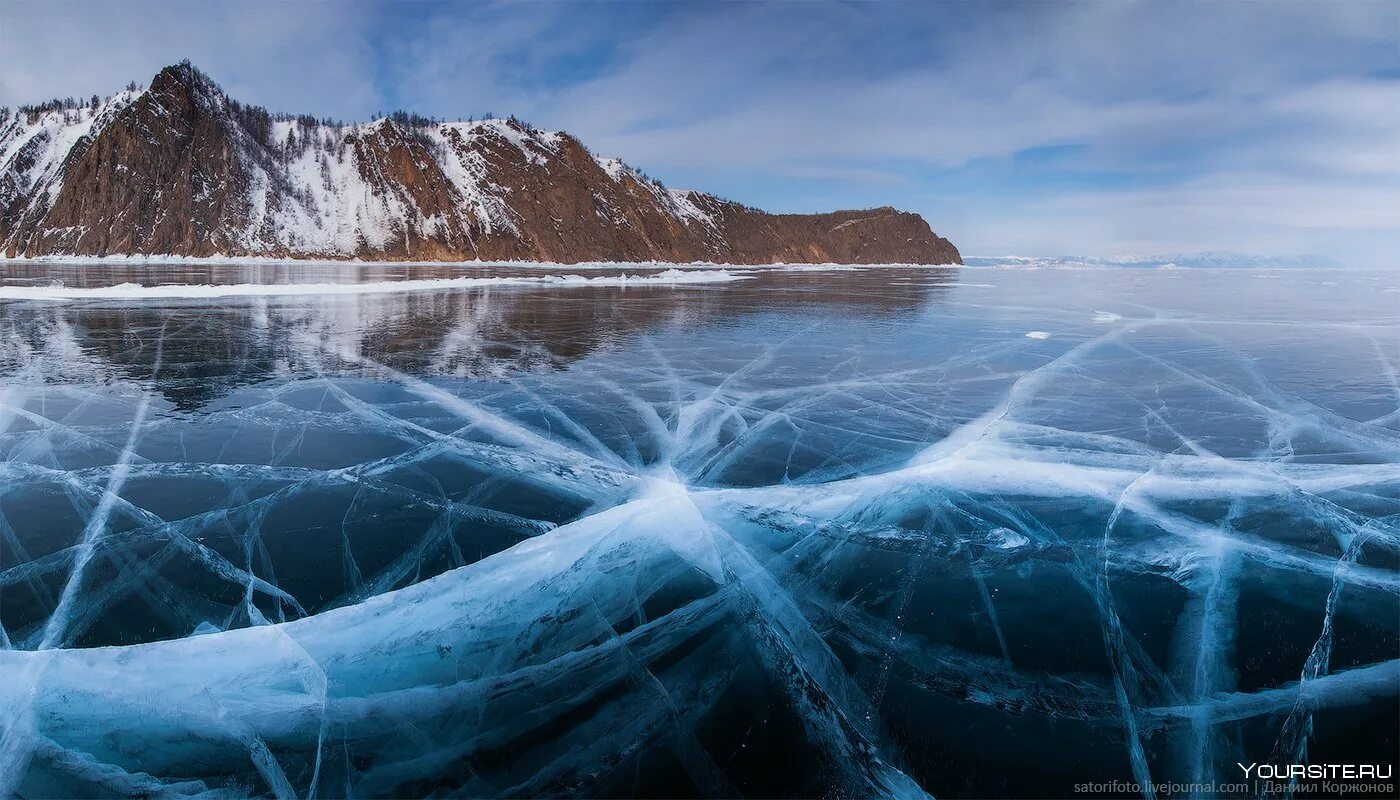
x,y
181,169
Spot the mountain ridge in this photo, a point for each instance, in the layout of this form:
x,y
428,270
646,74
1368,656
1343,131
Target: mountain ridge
x,y
181,169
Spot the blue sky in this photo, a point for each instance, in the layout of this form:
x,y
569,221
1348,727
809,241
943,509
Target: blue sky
x,y
1093,128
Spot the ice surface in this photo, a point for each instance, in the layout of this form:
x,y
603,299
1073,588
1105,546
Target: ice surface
x,y
1200,260
524,539
200,291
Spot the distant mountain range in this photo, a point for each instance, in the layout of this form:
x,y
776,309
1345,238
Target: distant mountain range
x,y
1206,260
181,169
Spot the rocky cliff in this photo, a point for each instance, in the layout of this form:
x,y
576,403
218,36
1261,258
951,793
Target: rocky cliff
x,y
181,169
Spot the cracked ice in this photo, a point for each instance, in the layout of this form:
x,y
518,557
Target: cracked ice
x,y
849,532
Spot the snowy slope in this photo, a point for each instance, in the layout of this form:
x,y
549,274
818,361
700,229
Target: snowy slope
x,y
179,168
35,146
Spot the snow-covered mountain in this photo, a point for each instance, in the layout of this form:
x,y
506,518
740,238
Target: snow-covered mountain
x,y
181,169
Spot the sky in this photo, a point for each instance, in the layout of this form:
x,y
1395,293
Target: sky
x,y
1042,128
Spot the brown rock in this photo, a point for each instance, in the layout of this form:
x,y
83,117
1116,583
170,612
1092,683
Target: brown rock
x,y
180,169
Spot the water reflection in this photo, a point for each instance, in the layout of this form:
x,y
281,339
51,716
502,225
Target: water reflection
x,y
194,352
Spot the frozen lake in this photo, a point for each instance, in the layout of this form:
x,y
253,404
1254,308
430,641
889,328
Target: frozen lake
x,y
712,532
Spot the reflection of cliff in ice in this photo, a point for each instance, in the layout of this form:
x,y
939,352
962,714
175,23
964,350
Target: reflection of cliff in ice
x,y
208,348
751,553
